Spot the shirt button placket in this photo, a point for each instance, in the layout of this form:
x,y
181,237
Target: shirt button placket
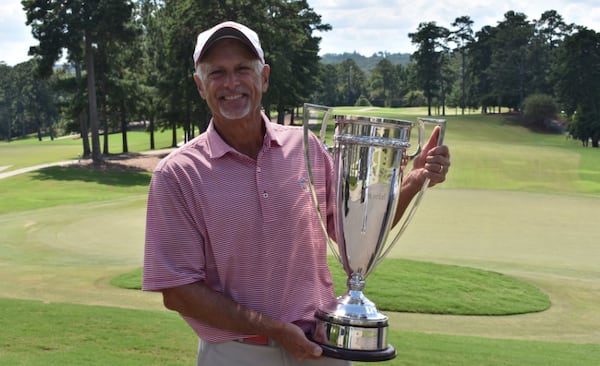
x,y
264,194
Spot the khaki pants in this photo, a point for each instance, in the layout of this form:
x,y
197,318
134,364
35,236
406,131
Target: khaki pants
x,y
247,354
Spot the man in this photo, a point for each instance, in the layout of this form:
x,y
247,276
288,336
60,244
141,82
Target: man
x,y
232,239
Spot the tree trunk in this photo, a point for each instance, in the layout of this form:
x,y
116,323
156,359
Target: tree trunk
x,y
105,147
174,135
39,131
124,126
82,117
151,127
280,115
92,103
462,81
429,105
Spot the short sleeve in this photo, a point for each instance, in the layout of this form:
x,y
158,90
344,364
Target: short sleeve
x,y
174,253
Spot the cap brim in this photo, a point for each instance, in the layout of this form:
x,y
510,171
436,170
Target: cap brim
x,y
226,33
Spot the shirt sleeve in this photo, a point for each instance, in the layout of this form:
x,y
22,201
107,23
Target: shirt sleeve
x,y
174,254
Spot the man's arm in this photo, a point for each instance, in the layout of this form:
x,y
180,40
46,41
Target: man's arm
x,y
198,301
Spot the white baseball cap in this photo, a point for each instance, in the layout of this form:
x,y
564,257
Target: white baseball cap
x,y
228,30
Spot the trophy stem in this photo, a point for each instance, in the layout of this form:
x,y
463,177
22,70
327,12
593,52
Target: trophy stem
x,y
356,282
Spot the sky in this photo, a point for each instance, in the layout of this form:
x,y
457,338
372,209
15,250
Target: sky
x,y
366,26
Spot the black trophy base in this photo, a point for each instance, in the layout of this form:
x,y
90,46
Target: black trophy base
x,y
361,356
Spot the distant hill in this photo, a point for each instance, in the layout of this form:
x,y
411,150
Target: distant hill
x,y
364,62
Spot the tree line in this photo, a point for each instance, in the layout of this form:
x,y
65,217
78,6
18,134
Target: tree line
x,y
131,61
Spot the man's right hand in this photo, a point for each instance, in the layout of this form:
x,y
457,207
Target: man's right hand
x,y
292,338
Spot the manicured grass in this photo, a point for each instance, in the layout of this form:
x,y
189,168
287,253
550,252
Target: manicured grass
x,y
68,185
435,349
411,286
58,334
29,151
21,154
130,280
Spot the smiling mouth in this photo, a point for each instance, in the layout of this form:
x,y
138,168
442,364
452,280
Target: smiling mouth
x,y
232,97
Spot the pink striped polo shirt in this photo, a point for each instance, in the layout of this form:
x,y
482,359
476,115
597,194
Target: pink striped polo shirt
x,y
247,228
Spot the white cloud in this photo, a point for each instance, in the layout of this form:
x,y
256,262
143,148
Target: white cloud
x,y
15,36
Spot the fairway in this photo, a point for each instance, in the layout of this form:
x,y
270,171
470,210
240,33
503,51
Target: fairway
x,y
558,254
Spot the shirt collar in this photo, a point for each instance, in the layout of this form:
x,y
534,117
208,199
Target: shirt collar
x,y
218,147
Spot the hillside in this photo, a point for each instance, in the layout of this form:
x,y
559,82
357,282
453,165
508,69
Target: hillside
x,y
366,63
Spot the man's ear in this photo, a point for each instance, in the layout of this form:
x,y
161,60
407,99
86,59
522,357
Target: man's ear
x,y
265,77
199,86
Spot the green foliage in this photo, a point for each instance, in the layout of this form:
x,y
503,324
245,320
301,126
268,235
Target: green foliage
x,y
577,63
415,98
27,104
366,63
539,109
143,55
351,82
509,59
88,30
362,101
430,41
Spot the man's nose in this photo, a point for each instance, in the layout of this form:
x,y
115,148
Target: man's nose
x,y
231,79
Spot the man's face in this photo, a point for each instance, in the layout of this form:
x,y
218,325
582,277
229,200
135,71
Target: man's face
x,y
231,81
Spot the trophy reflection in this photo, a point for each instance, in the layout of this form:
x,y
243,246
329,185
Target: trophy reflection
x,y
369,155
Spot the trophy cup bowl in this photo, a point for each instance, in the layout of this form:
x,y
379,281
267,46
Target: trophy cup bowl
x,y
369,154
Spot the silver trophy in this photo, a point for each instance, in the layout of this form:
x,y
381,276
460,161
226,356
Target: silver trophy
x,y
369,155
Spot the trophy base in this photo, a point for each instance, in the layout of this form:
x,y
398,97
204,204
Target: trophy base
x,y
345,336
360,356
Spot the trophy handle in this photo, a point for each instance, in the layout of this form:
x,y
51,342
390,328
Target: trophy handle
x,y
421,139
306,117
416,200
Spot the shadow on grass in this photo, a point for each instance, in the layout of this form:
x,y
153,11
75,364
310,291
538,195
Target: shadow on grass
x,y
106,173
